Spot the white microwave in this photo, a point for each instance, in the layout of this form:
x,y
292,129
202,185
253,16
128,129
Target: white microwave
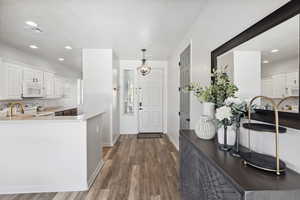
x,y
32,89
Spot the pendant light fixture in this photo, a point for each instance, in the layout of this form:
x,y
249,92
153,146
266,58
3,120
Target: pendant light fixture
x,y
144,69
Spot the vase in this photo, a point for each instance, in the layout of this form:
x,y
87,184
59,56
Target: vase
x,y
209,109
205,128
226,137
235,151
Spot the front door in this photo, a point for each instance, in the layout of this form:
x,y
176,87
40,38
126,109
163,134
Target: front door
x,y
151,102
185,65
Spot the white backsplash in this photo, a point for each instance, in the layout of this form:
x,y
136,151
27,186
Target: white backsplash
x,y
61,102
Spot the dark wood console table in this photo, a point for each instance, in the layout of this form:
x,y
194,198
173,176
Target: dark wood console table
x,y
207,173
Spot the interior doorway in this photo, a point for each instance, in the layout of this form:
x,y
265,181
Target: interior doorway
x,y
185,77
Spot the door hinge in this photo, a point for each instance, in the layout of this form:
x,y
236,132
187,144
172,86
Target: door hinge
x,y
179,89
179,113
179,64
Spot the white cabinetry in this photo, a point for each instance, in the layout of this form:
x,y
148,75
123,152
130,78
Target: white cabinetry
x,y
32,83
281,85
267,87
35,76
10,81
292,82
49,85
58,87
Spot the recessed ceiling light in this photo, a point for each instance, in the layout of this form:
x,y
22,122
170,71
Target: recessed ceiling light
x,y
68,47
33,46
265,61
274,50
31,23
61,59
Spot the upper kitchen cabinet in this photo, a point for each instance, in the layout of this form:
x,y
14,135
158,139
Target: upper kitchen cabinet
x,y
10,81
32,83
32,75
58,87
49,85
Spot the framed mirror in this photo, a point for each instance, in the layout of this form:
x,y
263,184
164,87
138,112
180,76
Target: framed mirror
x,y
264,61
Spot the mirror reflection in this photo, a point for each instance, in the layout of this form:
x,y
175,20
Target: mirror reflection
x,y
268,65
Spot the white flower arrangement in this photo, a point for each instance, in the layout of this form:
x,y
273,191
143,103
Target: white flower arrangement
x,y
224,113
233,100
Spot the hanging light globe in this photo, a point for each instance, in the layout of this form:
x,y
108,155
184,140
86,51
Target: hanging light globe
x,y
144,69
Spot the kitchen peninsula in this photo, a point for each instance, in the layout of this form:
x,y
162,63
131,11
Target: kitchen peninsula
x,y
50,153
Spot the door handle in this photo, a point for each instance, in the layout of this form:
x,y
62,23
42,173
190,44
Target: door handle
x,y
188,119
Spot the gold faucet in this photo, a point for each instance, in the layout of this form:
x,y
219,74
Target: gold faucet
x,y
12,105
286,98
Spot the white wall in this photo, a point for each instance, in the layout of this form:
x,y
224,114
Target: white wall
x,y
97,80
218,22
129,123
9,53
100,76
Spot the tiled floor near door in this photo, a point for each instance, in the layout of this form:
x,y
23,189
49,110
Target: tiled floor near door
x,y
134,169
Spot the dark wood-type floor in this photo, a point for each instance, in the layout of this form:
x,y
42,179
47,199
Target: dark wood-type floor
x,y
134,169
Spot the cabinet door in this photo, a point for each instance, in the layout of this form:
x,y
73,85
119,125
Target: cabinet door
x,y
48,85
58,87
279,86
28,75
33,75
200,180
13,81
39,76
292,79
267,87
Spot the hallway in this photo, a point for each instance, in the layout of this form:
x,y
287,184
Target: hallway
x,y
134,169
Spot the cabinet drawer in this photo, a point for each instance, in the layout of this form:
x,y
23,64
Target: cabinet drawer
x,y
200,180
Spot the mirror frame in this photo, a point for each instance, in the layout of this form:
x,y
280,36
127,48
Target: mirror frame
x,y
287,11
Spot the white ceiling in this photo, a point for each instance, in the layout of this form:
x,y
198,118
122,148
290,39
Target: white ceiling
x,y
284,37
124,25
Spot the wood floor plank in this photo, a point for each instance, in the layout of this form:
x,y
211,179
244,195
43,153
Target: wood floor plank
x,y
103,195
134,183
134,169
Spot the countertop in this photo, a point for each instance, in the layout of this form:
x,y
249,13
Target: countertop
x,y
245,177
41,117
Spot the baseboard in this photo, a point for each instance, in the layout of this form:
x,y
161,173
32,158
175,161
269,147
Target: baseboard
x,y
115,141
107,145
173,142
95,173
42,189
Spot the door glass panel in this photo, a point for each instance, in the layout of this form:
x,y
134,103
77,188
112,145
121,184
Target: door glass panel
x,y
128,91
